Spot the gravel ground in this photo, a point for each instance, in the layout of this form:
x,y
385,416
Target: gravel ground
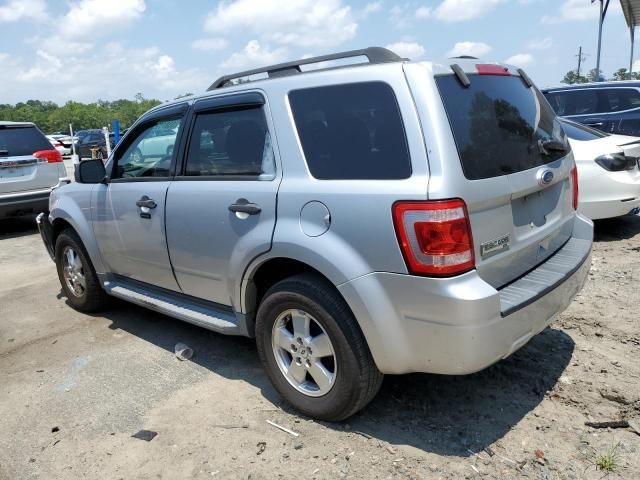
x,y
75,388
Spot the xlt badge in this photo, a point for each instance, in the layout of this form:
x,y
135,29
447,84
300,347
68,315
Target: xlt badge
x,y
495,246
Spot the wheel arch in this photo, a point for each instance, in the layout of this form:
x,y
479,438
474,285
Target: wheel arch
x,y
67,214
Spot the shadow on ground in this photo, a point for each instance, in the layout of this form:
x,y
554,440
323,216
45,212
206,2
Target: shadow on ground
x,y
439,414
18,227
619,228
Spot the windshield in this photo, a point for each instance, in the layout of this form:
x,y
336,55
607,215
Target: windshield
x,y
500,126
19,141
577,131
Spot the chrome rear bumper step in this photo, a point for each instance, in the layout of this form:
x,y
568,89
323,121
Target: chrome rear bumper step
x,y
204,314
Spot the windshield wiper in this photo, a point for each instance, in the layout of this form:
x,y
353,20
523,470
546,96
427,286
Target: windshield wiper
x,y
550,145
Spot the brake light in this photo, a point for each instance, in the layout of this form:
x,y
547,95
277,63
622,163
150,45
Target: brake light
x,y
574,182
492,69
50,156
435,237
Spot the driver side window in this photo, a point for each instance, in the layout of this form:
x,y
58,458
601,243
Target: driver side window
x,y
150,152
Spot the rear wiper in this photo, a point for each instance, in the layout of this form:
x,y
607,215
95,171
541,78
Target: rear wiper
x,y
4,153
548,146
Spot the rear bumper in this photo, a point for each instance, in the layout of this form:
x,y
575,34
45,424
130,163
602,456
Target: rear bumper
x,y
27,203
461,325
46,232
609,194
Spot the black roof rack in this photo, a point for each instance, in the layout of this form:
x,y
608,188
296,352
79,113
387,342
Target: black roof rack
x,y
373,54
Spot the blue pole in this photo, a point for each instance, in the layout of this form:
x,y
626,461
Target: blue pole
x,y
116,131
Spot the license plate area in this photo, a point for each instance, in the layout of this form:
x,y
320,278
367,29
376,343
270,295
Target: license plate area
x,y
536,209
12,172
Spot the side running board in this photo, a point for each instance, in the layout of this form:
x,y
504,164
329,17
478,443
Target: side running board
x,y
205,314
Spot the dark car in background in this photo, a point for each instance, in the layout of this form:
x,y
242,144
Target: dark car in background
x,y
613,107
89,140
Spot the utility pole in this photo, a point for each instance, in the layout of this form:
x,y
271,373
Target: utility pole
x,y
604,6
581,57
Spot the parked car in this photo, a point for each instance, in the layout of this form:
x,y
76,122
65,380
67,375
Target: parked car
x,y
303,210
608,169
89,140
61,143
30,168
613,107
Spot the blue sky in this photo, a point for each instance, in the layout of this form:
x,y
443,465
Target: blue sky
x,y
87,50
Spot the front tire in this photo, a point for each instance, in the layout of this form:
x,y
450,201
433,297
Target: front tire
x,y
313,350
77,276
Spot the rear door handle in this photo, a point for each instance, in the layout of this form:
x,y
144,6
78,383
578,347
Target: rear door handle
x,y
146,202
243,205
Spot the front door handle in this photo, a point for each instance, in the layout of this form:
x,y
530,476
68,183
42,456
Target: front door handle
x,y
243,205
146,202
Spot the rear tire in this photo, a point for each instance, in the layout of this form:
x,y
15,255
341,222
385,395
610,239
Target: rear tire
x,y
353,376
77,276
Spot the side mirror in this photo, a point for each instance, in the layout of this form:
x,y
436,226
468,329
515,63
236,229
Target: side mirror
x,y
91,171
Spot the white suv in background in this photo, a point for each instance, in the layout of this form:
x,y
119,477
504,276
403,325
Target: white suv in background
x,y
30,168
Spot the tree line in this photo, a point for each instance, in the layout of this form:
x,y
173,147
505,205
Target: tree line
x,y
51,117
572,76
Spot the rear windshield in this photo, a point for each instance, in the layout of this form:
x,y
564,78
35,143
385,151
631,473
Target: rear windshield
x,y
18,141
499,125
580,132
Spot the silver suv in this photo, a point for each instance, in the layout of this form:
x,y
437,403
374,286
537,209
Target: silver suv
x,y
383,217
30,167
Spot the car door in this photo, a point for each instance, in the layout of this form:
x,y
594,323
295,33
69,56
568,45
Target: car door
x,y
221,207
129,215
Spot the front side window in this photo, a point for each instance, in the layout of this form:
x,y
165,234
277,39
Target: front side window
x,y
149,154
351,132
231,143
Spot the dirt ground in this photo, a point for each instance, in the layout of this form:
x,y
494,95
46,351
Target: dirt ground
x,y
75,388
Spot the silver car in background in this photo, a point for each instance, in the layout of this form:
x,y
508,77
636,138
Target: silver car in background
x,y
30,168
376,218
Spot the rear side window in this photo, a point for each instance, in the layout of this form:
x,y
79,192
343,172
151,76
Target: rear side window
x,y
499,125
19,141
619,99
351,132
576,102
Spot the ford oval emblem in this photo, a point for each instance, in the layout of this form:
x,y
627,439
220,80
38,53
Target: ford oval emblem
x,y
545,177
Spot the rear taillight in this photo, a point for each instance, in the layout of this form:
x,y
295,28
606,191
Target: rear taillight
x,y
574,184
50,156
435,237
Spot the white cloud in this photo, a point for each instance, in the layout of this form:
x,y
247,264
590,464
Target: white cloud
x,y
373,7
474,49
460,10
88,17
302,23
15,10
540,43
423,12
53,77
86,22
520,59
210,44
254,55
579,11
410,50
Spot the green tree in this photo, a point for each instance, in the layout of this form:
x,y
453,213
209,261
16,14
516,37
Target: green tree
x,y
595,76
572,77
